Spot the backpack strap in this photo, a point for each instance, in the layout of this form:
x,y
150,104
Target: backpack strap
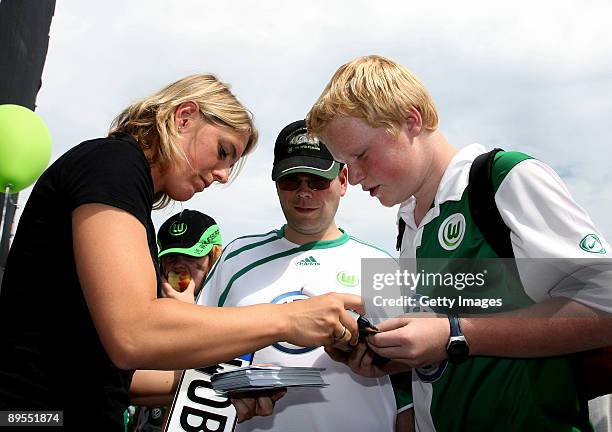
x,y
483,209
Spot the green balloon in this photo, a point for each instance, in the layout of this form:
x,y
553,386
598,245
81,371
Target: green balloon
x,y
25,147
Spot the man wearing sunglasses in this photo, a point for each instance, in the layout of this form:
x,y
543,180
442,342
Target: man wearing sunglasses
x,y
308,256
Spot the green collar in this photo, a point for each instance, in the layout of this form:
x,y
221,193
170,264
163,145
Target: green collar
x,y
319,244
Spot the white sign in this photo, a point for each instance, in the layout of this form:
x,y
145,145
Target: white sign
x,y
197,407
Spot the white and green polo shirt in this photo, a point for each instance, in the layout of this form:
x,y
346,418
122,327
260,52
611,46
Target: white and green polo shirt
x,y
268,268
501,394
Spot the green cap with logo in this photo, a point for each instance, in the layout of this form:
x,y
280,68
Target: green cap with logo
x,y
189,232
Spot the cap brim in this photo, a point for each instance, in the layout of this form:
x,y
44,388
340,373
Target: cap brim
x,y
306,164
196,252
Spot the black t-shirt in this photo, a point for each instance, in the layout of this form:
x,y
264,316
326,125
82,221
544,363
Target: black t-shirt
x,y
50,354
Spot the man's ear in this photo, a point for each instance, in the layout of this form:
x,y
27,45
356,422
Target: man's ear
x,y
185,113
413,122
343,177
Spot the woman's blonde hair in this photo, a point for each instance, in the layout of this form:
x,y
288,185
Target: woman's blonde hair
x,y
151,120
375,89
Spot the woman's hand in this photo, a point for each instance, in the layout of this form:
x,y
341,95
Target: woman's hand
x,y
323,320
253,404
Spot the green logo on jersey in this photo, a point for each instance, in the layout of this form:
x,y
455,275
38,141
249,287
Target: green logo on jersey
x,y
178,228
451,231
348,280
592,244
309,261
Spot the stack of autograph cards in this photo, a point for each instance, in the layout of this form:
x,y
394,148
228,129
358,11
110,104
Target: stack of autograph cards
x,y
252,378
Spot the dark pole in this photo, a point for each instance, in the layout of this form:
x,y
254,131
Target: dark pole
x,y
24,39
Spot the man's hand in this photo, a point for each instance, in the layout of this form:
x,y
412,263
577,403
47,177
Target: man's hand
x,y
414,341
361,361
250,404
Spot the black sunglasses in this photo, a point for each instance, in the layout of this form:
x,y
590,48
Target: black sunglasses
x,y
293,181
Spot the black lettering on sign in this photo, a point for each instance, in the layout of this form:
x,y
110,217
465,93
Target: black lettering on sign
x,y
236,362
191,394
210,370
220,420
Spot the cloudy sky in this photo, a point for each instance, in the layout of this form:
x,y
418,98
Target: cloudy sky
x,y
532,76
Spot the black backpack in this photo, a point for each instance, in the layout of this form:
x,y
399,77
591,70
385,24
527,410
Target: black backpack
x,y
593,368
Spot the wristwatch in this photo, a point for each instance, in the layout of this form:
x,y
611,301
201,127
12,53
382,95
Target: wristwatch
x,y
457,348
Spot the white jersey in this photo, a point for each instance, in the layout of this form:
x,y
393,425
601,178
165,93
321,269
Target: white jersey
x,y
546,223
270,269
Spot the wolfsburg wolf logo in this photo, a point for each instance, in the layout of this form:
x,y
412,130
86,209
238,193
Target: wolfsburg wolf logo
x,y
592,244
451,231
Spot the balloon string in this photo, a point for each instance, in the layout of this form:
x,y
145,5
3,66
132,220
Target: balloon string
x,y
10,198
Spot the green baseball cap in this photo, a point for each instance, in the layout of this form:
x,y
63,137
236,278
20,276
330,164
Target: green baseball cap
x,y
189,232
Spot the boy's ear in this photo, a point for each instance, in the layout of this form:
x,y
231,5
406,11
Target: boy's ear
x,y
413,122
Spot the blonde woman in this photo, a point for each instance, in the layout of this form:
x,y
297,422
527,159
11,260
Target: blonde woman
x,y
79,304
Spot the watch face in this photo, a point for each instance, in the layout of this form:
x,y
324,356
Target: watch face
x,y
458,351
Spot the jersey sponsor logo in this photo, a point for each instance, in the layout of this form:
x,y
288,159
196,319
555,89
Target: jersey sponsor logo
x,y
308,261
287,347
592,244
178,228
347,279
451,231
